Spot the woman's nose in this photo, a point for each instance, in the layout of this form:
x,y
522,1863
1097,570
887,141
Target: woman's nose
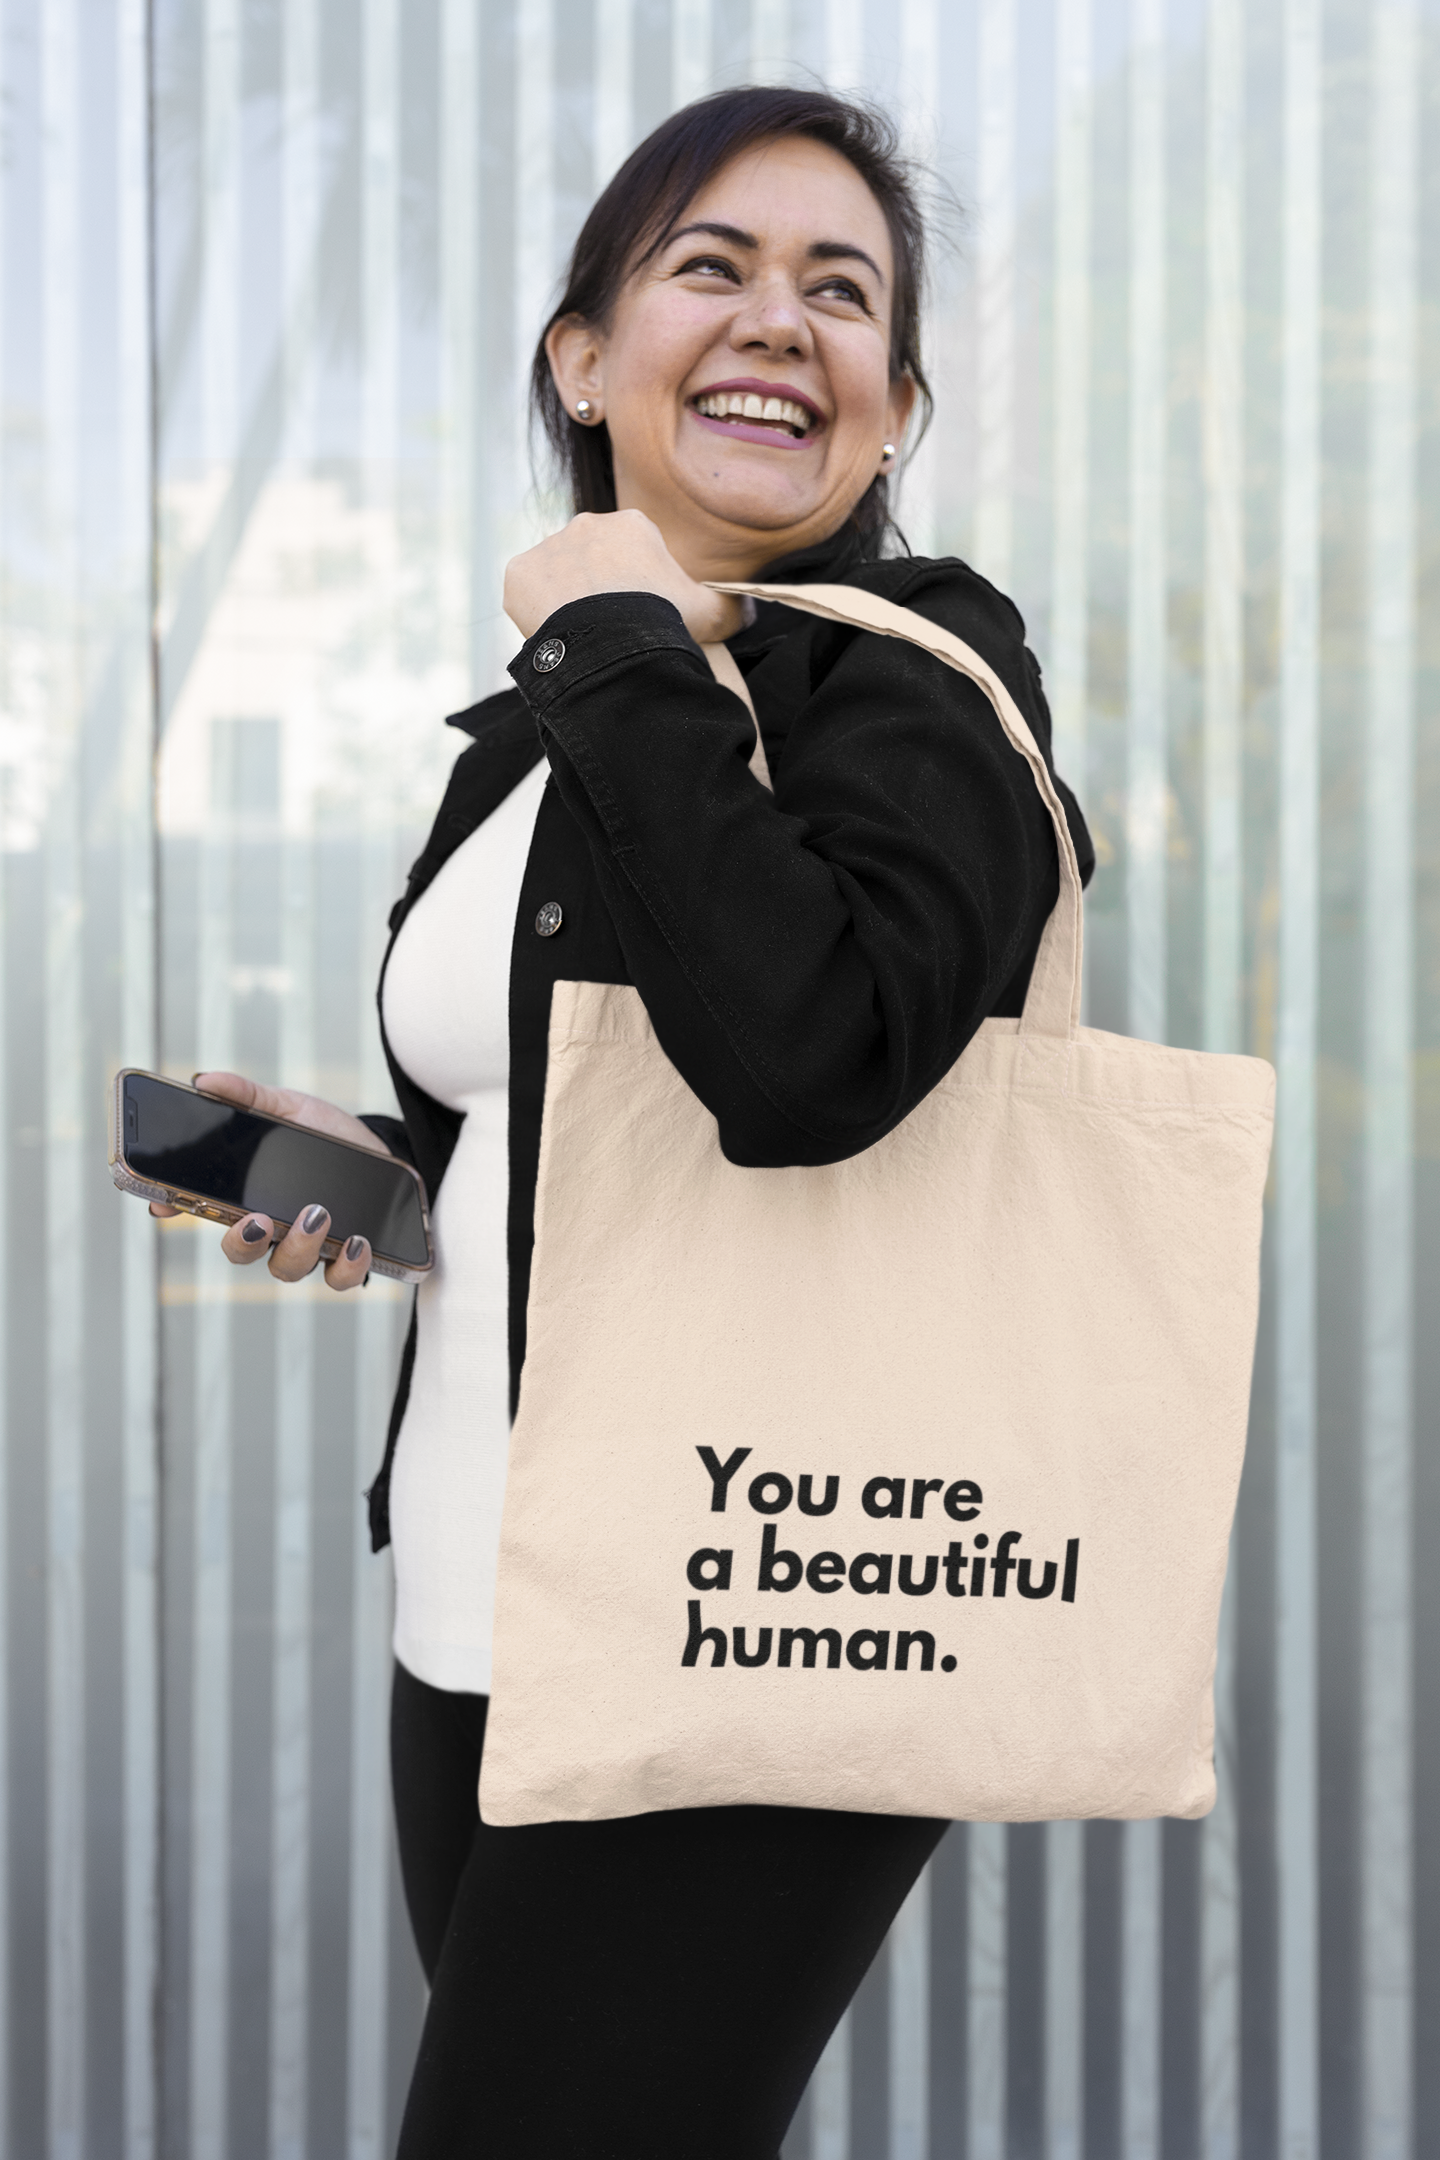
x,y
773,318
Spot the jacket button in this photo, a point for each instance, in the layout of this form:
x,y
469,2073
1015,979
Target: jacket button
x,y
549,919
549,655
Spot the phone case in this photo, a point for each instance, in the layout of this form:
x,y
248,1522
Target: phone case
x,y
217,1211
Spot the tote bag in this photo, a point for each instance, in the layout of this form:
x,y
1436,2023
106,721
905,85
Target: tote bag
x,y
902,1484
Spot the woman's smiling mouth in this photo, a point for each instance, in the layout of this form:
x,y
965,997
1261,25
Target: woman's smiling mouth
x,y
756,412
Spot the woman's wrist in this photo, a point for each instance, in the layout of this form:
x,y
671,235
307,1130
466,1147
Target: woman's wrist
x,y
593,635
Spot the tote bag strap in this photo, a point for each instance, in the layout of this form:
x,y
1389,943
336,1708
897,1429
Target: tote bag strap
x,y
1052,1005
723,668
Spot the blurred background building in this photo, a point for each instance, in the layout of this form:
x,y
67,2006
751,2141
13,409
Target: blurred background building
x,y
270,273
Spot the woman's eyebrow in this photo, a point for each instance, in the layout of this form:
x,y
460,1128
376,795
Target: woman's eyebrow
x,y
843,251
818,251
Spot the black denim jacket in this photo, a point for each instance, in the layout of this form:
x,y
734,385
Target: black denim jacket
x,y
813,962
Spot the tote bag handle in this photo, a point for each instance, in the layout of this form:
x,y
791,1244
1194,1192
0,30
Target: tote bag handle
x,y
1052,1005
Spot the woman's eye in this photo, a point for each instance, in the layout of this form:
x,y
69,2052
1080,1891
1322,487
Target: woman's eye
x,y
845,289
708,266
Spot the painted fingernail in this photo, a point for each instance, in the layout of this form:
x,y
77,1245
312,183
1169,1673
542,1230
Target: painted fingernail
x,y
354,1248
253,1232
313,1217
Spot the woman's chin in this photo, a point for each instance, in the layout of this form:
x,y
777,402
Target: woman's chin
x,y
762,504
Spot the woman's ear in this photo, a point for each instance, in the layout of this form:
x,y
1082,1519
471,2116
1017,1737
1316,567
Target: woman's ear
x,y
901,406
576,353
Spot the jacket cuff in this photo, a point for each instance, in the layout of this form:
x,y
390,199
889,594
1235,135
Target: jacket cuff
x,y
591,637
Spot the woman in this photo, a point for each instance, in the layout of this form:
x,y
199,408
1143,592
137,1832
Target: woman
x,y
728,379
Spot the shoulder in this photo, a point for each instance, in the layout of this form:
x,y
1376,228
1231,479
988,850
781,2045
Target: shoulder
x,y
946,591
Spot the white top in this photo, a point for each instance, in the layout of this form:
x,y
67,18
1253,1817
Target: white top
x,y
447,1014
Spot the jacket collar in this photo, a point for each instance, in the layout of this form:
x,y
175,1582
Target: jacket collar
x,y
825,562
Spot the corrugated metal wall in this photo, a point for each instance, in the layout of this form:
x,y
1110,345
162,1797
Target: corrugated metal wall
x,y
271,272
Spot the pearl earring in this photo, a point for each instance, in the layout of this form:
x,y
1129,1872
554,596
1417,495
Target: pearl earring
x,y
583,408
887,450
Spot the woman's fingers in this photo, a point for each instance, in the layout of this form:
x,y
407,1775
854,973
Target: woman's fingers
x,y
161,1211
711,617
298,1251
350,1266
249,1094
291,1104
247,1241
295,1256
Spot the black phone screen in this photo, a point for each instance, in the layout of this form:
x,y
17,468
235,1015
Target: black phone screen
x,y
194,1144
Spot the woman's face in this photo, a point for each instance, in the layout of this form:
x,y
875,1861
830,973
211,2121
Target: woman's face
x,y
745,376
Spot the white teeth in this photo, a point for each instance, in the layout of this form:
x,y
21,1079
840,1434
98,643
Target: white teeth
x,y
746,405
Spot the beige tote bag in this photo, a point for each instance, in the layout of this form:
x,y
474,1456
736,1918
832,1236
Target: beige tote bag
x,y
900,1485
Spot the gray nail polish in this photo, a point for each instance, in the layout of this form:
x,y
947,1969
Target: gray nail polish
x,y
354,1249
313,1217
253,1232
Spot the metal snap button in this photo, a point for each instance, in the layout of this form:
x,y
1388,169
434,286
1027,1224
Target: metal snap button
x,y
549,919
549,655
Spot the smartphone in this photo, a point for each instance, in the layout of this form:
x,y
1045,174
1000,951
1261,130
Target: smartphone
x,y
193,1151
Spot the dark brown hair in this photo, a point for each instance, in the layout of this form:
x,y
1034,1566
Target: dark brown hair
x,y
648,195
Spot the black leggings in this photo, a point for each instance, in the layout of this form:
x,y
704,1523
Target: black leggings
x,y
657,1987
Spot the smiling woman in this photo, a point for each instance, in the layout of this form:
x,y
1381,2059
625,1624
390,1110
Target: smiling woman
x,y
664,196
745,385
817,922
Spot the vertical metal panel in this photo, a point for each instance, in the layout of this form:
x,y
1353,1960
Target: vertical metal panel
x,y
211,1563
1070,367
139,1313
1064,1990
830,2098
461,399
995,90
1296,1804
690,50
918,110
534,196
207,2056
1140,1970
986,2034
1224,518
910,2026
290,1806
1146,902
366,2008
844,44
1223,871
769,40
1145,822
1068,679
290,1708
614,72
376,1348
65,1454
8,1693
1387,1709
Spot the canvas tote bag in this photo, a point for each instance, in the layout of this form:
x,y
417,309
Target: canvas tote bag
x,y
903,1484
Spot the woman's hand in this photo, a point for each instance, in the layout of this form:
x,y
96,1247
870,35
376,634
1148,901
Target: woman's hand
x,y
618,551
298,1251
